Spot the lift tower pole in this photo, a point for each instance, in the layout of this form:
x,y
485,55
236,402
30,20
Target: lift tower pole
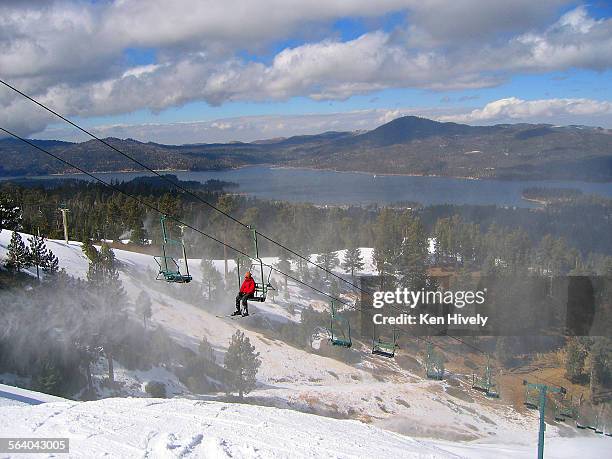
x,y
543,389
64,210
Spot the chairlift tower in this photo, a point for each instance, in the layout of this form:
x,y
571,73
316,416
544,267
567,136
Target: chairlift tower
x,y
542,390
64,210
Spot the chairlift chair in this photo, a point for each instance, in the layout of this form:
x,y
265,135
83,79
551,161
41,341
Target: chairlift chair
x,y
169,269
532,398
564,409
485,382
383,347
339,329
261,288
434,365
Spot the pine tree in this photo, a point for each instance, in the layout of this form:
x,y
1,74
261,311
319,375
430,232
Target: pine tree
x,y
10,213
328,259
410,263
51,264
284,265
138,234
242,364
353,261
601,366
37,253
89,250
103,279
48,379
18,256
574,362
211,278
143,303
206,350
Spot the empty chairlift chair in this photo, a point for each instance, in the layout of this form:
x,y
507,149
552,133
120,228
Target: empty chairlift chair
x,y
564,409
384,346
339,329
169,269
434,364
485,382
532,397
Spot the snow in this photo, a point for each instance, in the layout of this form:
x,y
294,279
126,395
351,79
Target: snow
x,y
11,395
189,428
162,428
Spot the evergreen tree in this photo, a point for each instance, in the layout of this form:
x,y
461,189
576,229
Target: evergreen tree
x,y
18,256
227,203
138,234
601,366
48,379
37,253
104,282
284,265
206,350
211,278
388,236
410,264
10,213
143,303
328,259
89,250
353,261
242,364
574,362
51,264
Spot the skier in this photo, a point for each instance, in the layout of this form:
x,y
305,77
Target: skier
x,y
246,292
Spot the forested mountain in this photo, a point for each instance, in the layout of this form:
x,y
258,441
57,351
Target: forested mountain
x,y
406,145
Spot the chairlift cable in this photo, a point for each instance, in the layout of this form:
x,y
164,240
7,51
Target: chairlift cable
x,y
177,220
176,185
194,195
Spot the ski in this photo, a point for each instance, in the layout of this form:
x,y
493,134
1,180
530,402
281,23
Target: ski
x,y
234,317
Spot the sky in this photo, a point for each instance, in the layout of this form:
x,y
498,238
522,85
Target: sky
x,y
192,71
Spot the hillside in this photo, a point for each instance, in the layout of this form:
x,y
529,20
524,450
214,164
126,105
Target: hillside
x,y
407,145
411,145
390,394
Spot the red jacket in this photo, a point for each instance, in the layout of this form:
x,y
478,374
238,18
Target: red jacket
x,y
248,286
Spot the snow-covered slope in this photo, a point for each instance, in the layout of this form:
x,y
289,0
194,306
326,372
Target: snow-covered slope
x,y
377,390
11,395
187,428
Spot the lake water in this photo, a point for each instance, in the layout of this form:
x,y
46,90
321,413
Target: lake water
x,y
329,187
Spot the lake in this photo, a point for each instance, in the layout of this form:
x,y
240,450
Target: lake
x,y
336,188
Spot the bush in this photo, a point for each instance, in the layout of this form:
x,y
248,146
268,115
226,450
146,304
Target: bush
x,y
156,389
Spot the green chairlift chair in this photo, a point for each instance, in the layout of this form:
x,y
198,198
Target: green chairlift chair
x,y
385,347
169,269
339,329
434,364
485,382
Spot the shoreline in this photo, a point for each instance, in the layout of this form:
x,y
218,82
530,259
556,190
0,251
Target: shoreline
x,y
377,174
124,171
308,168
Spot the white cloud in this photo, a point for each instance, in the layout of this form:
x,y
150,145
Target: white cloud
x,y
71,55
250,128
443,22
246,129
516,109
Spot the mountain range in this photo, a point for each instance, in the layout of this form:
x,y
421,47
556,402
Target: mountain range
x,y
407,145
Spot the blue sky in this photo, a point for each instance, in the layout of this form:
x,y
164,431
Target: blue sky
x,y
137,63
